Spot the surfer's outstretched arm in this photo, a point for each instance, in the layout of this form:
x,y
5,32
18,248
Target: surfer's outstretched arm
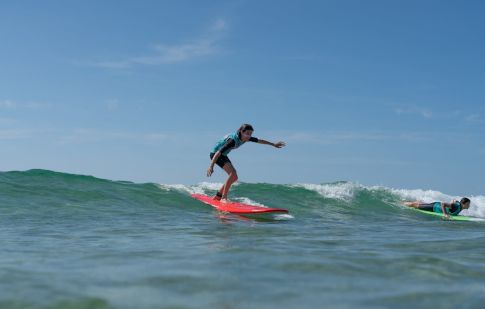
x,y
277,145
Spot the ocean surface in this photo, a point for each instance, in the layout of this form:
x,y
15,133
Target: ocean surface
x,y
71,241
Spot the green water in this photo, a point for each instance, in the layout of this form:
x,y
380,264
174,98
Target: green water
x,y
70,241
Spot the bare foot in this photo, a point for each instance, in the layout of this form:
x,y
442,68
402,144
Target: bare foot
x,y
411,204
225,200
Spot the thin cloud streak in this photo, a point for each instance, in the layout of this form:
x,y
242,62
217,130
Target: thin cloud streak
x,y
7,121
427,113
206,45
7,104
15,134
423,112
81,136
10,104
332,138
473,118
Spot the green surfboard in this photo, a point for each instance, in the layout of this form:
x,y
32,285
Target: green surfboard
x,y
452,218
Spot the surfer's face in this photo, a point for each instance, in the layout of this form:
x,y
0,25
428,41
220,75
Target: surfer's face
x,y
246,135
466,205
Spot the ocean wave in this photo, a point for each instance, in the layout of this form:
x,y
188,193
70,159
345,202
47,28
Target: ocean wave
x,y
41,187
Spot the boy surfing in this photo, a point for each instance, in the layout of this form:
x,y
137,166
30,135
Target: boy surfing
x,y
453,208
220,151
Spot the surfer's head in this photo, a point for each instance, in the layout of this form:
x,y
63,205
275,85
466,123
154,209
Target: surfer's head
x,y
245,132
465,203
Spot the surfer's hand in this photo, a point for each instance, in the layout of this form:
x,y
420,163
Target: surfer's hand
x,y
279,144
210,170
447,217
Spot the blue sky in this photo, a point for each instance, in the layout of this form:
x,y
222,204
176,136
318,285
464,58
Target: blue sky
x,y
376,92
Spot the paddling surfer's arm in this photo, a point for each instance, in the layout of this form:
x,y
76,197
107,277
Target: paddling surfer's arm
x,y
277,145
443,208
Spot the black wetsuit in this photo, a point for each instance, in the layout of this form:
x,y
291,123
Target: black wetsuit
x,y
222,160
432,207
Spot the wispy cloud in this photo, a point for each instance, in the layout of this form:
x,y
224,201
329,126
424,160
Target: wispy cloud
x,y
7,104
472,118
416,110
112,104
343,137
10,104
80,136
302,58
205,45
12,134
7,121
327,138
415,137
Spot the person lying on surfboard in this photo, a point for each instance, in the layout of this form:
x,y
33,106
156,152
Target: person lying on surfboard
x,y
220,151
447,209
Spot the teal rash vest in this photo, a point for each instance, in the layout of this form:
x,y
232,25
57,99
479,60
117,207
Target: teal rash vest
x,y
455,209
222,142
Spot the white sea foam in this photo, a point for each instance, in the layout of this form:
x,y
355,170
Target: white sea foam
x,y
477,207
214,186
426,196
200,188
248,201
342,191
177,187
182,188
283,217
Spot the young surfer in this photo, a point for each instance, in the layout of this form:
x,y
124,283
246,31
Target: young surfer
x,y
447,209
220,151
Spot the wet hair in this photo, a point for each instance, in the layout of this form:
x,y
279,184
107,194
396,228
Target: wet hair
x,y
246,127
465,200
243,128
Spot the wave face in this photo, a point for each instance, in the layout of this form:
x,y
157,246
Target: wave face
x,y
42,188
73,240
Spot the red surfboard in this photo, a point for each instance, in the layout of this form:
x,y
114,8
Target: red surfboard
x,y
237,208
